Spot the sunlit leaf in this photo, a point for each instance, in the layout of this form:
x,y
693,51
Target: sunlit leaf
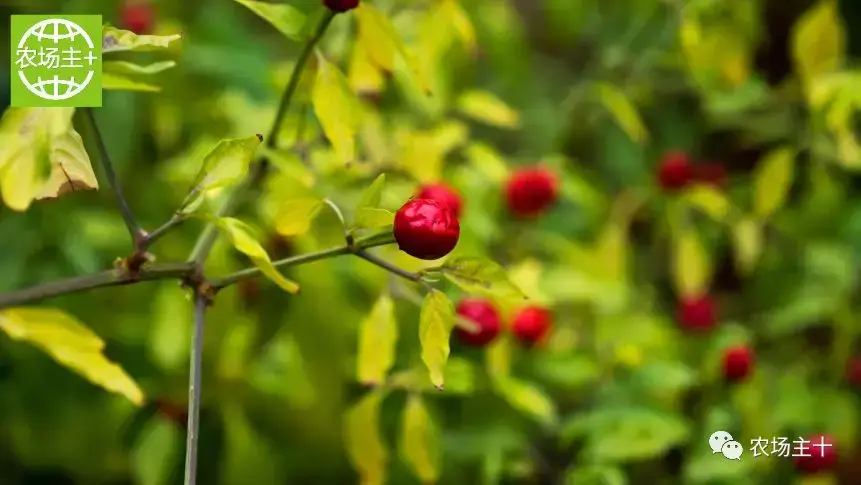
x,y
481,277
155,452
611,253
337,109
116,40
363,75
435,324
240,235
226,164
114,81
709,200
71,344
623,111
373,194
367,218
629,434
295,216
528,399
125,67
450,135
485,158
381,40
453,12
818,41
365,446
772,181
487,108
284,17
498,358
378,336
421,156
691,265
420,440
747,240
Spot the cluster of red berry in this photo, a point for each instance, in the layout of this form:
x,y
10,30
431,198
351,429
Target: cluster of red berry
x,y
137,16
427,227
677,172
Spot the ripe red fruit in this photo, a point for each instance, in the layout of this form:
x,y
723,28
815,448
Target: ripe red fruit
x,y
426,229
675,171
530,191
341,5
137,16
484,314
442,193
822,457
697,314
531,324
711,174
737,363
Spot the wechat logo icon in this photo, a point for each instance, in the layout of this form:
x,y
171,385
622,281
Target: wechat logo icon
x,y
56,61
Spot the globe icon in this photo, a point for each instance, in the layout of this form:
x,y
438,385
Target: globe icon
x,y
56,33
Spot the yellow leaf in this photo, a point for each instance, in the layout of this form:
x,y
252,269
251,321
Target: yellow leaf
x,y
421,156
116,40
528,399
772,181
365,446
709,200
483,157
611,252
481,277
691,266
286,18
498,358
747,240
818,41
336,108
435,324
114,81
450,135
240,235
363,76
295,216
487,108
384,45
453,12
420,440
527,274
623,111
70,168
378,336
71,344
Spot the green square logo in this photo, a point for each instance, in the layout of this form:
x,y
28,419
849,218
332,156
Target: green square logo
x,y
56,61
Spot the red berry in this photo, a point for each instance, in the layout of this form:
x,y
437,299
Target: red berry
x,y
531,191
341,5
711,173
442,193
737,363
484,315
697,314
426,229
531,324
822,455
675,171
853,372
137,16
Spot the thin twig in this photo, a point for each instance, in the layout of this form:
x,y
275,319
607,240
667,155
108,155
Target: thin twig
x,y
134,228
258,170
77,284
194,382
160,231
390,267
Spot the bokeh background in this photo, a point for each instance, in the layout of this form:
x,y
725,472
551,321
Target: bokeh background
x,y
600,91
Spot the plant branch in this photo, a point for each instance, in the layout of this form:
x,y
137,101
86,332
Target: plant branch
x,y
77,284
160,231
135,231
194,383
258,170
390,267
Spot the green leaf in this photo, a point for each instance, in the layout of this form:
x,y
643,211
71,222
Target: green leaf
x,y
772,181
487,108
367,218
623,111
528,399
384,46
246,457
480,276
170,332
498,358
372,195
420,440
459,378
286,18
113,81
596,475
435,324
337,109
691,265
71,344
41,156
747,238
709,200
240,235
378,336
818,41
628,434
124,67
487,160
116,40
295,216
226,164
365,446
155,452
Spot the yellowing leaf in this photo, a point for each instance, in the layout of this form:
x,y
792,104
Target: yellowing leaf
x,y
747,241
487,108
528,399
125,67
365,446
435,324
384,45
295,216
691,266
420,440
772,181
818,41
116,40
486,159
450,135
71,344
226,164
378,336
453,12
421,156
363,75
498,358
337,109
367,218
113,81
240,235
709,200
611,253
623,111
481,277
286,18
